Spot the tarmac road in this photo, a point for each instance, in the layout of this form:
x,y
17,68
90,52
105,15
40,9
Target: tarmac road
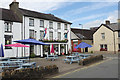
x,y
105,69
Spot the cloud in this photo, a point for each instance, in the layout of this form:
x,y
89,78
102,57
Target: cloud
x,y
50,5
95,0
37,5
95,23
89,17
112,17
88,8
43,6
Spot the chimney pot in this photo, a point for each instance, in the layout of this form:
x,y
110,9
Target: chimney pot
x,y
14,1
107,22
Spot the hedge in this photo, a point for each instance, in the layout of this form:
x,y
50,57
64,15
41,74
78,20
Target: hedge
x,y
28,73
91,60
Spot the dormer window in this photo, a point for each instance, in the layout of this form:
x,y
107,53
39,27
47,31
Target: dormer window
x,y
8,27
31,22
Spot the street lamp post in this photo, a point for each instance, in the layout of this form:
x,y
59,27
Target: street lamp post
x,y
82,31
82,35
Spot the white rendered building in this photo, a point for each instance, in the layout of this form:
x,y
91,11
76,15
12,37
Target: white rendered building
x,y
10,30
33,25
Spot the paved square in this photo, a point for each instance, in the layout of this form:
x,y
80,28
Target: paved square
x,y
63,67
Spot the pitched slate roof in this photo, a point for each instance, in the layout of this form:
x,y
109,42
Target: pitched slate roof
x,y
113,26
35,14
8,15
88,34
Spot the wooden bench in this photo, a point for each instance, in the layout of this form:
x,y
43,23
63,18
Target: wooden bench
x,y
10,64
28,65
83,56
72,59
52,57
23,60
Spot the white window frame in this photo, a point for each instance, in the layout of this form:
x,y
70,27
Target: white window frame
x,y
41,35
65,27
31,33
59,35
31,22
41,23
50,24
8,27
51,35
58,25
103,35
8,40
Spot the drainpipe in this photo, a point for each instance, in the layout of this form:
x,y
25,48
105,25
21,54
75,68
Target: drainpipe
x,y
24,34
114,42
24,27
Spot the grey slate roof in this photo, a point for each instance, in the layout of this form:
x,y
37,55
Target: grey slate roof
x,y
8,15
88,34
114,26
35,14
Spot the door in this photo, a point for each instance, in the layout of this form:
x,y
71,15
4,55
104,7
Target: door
x,y
31,49
86,49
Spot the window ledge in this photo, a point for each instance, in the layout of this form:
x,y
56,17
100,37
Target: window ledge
x,y
31,25
8,31
8,48
42,26
103,39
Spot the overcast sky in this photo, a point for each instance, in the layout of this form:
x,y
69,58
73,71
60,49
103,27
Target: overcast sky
x,y
90,13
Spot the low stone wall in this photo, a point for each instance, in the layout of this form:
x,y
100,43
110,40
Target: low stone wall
x,y
28,74
91,59
106,52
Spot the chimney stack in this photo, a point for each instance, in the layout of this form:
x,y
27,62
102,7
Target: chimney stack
x,y
14,5
107,22
14,1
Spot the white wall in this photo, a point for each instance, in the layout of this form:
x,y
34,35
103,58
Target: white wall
x,y
1,31
16,32
37,28
73,36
